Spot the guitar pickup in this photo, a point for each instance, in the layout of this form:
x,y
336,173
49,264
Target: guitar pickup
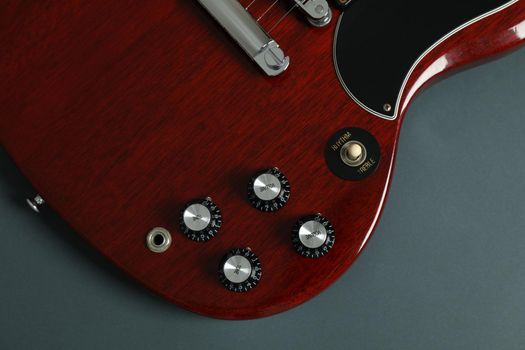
x,y
317,12
250,36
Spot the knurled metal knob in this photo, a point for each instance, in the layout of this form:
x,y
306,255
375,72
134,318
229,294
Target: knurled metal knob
x,y
201,220
269,190
313,236
240,270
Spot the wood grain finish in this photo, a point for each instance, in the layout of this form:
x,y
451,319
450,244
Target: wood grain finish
x,y
121,112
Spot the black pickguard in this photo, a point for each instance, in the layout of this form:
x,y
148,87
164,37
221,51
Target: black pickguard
x,y
378,41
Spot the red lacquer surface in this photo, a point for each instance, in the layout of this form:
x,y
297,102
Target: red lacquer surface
x,y
121,112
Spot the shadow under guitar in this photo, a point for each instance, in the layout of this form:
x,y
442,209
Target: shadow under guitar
x,y
17,189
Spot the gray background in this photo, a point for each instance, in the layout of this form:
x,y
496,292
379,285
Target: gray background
x,y
444,270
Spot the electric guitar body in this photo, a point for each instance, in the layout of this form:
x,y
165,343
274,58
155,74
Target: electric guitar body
x,y
234,173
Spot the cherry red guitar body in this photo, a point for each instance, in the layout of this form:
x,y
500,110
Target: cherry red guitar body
x,y
120,113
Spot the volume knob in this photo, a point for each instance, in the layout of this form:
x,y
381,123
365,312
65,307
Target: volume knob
x,y
240,270
201,220
269,190
313,236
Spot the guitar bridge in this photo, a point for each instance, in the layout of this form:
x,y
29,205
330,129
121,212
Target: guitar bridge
x,y
317,12
247,32
251,36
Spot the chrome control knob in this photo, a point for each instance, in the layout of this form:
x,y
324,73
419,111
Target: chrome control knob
x,y
240,270
269,190
201,220
313,236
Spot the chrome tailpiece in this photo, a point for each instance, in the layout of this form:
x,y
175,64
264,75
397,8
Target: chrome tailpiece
x,y
247,32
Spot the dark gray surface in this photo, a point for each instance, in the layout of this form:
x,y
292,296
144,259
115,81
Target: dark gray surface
x,y
444,270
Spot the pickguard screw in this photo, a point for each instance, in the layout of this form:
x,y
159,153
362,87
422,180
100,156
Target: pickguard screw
x,y
35,203
387,107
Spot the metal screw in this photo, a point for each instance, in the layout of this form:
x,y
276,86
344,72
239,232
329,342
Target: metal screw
x,y
323,21
36,203
274,58
387,107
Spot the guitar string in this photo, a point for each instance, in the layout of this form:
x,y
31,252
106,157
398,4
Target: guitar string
x,y
282,18
250,4
268,10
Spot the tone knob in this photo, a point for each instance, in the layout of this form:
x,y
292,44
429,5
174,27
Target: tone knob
x,y
240,270
201,220
269,190
313,236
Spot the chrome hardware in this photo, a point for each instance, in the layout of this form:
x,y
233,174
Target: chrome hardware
x,y
240,270
158,240
266,187
317,11
237,269
252,38
269,190
196,217
312,234
353,153
36,203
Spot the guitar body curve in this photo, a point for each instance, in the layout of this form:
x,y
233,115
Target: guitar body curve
x,y
121,113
